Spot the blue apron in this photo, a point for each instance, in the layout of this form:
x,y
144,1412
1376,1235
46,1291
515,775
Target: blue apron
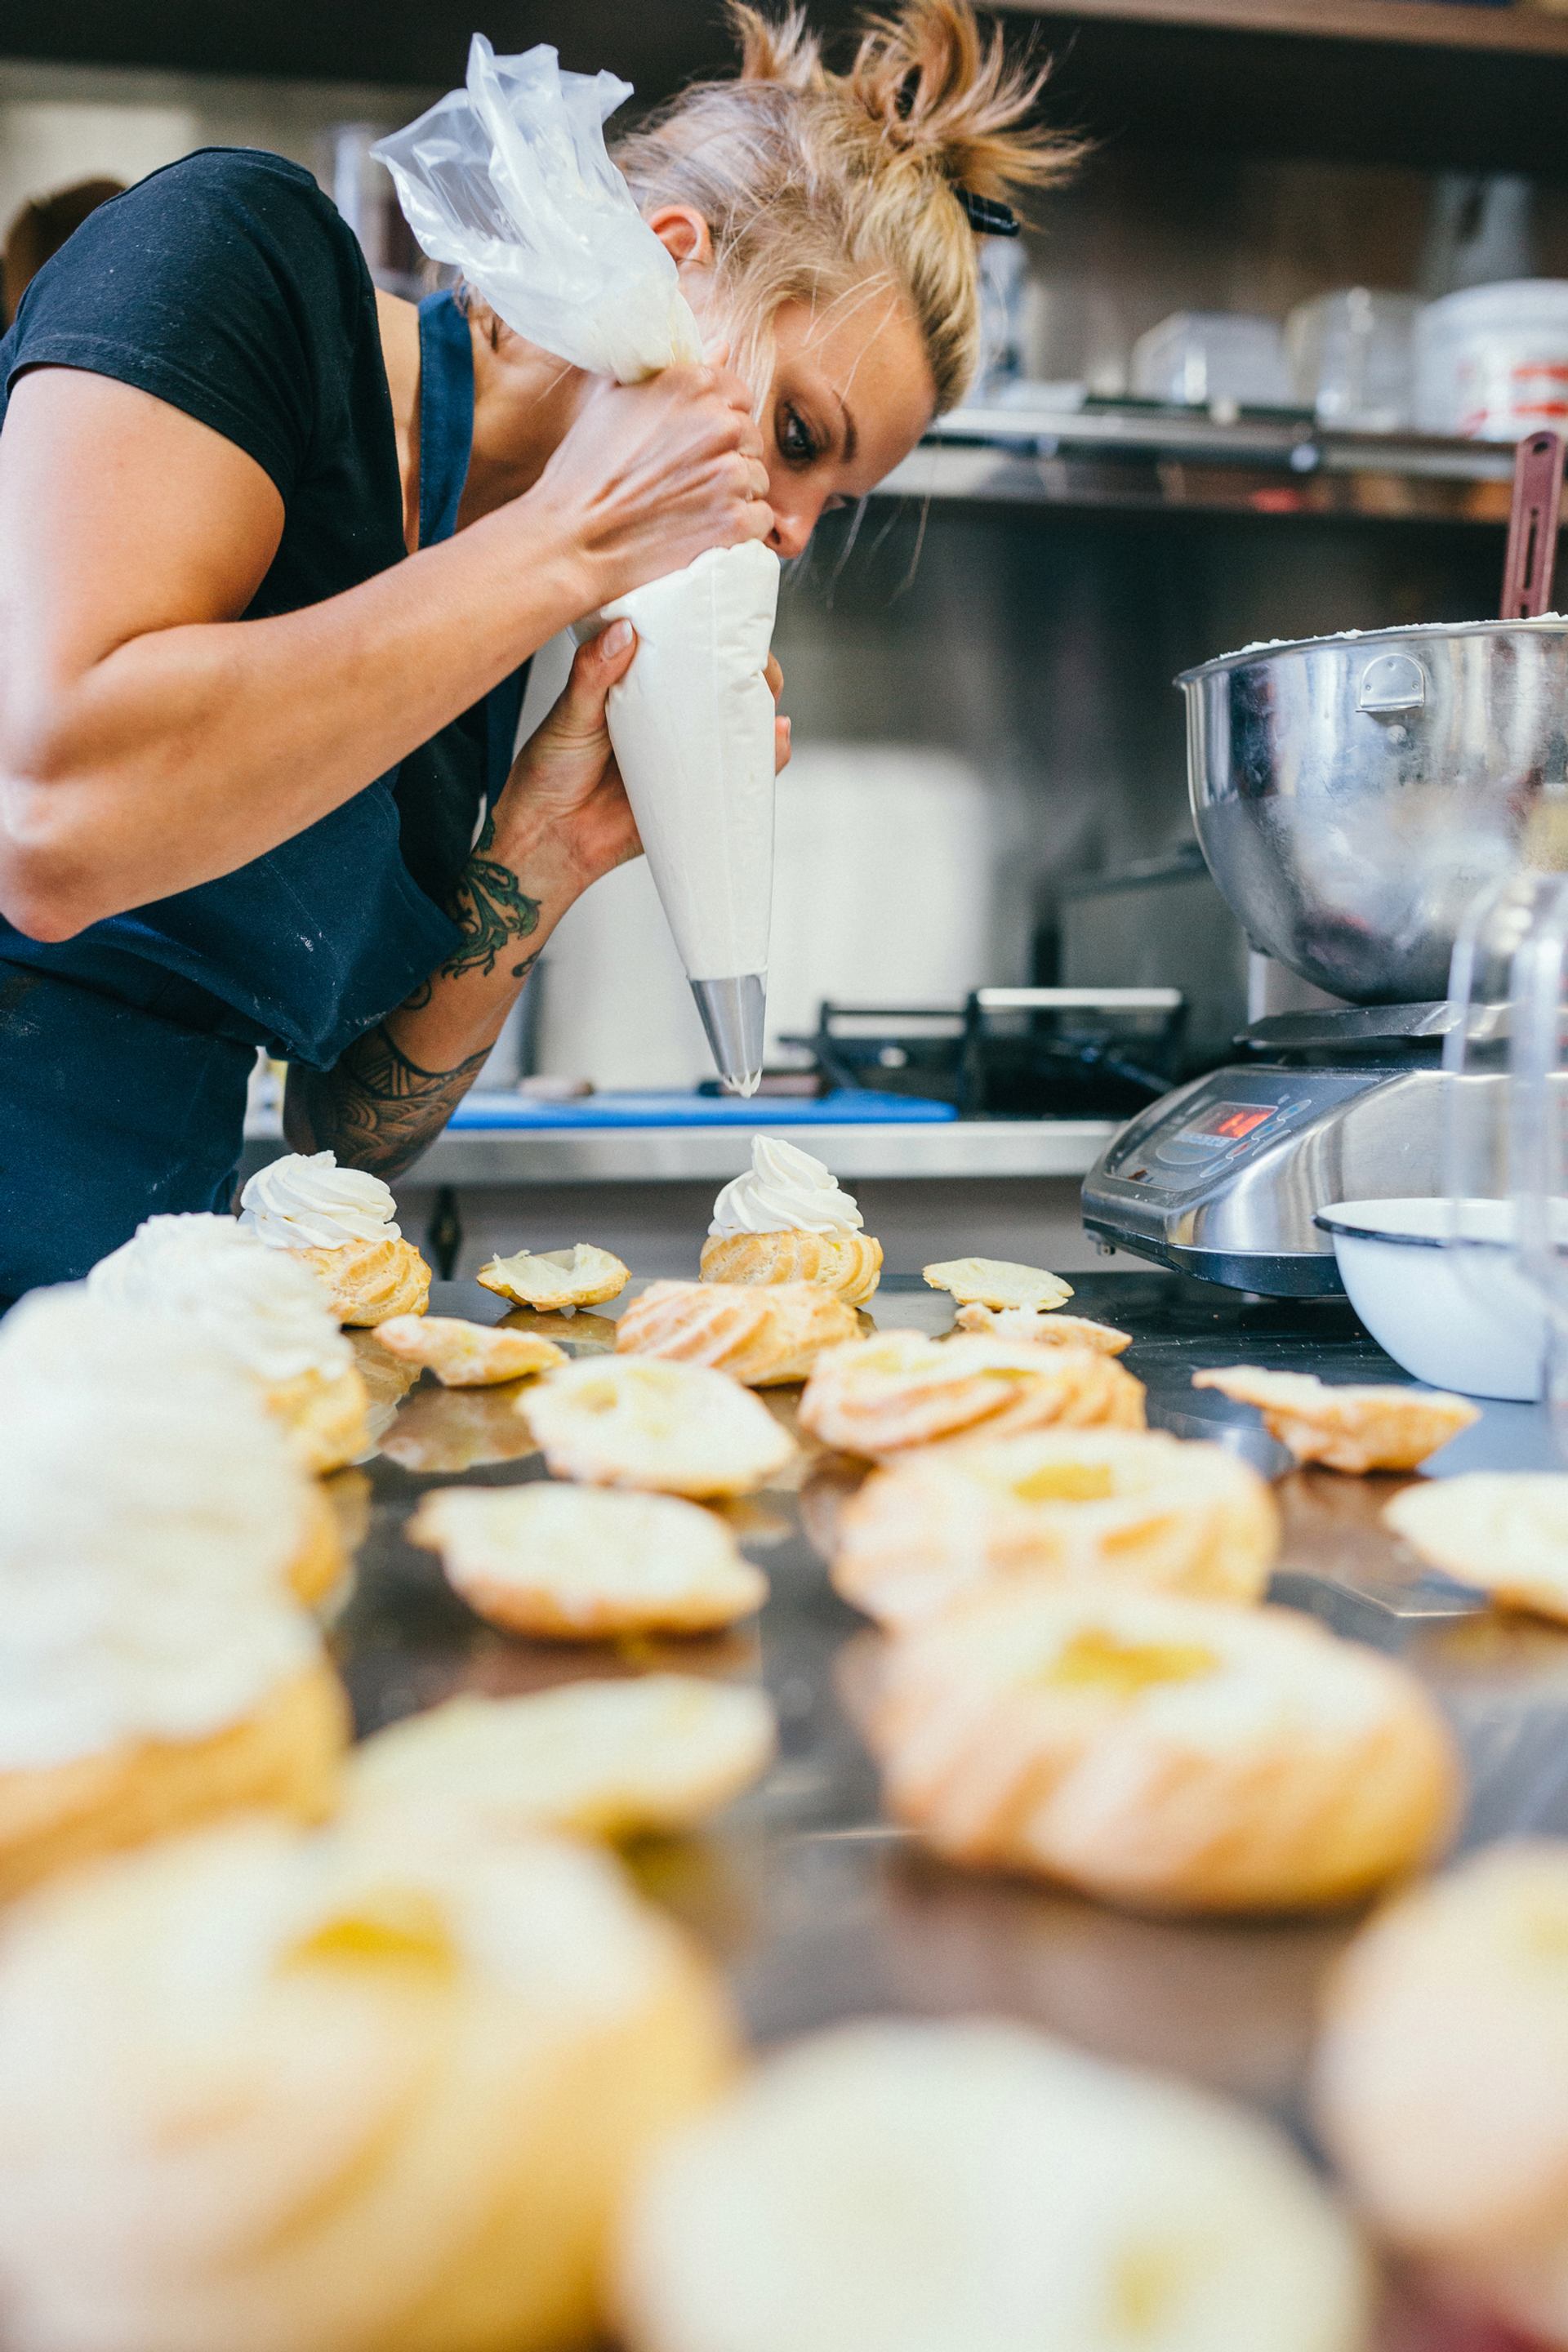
x,y
125,1053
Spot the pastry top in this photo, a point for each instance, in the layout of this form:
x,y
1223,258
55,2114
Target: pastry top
x,y
262,1309
1358,1427
263,2089
761,1334
997,1282
636,1420
557,1558
305,1201
468,1355
1504,1530
951,2185
653,1752
783,1190
557,1280
901,1389
1041,1328
148,1513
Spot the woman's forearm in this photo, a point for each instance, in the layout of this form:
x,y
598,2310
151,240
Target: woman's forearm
x,y
290,716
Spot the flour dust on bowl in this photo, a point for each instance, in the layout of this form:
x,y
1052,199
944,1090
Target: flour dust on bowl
x,y
1436,1285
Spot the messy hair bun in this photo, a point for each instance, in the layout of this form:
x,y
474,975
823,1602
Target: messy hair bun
x,y
814,181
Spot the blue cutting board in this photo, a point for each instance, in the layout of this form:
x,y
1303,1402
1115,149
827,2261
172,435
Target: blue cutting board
x,y
851,1106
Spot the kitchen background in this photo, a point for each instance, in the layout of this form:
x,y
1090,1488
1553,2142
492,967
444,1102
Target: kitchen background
x,y
979,663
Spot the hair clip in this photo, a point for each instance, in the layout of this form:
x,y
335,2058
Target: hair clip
x,y
988,218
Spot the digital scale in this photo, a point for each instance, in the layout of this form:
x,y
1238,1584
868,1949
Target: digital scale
x,y
1222,1178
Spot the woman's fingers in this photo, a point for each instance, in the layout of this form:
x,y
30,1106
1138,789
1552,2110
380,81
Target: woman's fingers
x,y
783,734
597,665
775,675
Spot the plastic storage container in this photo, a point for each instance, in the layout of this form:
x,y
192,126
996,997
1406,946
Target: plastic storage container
x,y
1352,358
1202,357
1491,363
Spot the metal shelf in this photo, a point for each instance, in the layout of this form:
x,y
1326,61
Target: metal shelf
x,y
1259,463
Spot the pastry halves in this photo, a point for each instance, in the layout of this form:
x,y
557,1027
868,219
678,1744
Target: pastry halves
x,y
762,1336
879,1397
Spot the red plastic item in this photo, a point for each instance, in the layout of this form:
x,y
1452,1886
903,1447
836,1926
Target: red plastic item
x,y
1533,527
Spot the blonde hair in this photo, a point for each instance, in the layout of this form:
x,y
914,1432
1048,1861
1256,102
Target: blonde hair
x,y
816,186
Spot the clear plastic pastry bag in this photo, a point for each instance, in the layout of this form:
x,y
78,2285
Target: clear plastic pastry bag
x,y
509,179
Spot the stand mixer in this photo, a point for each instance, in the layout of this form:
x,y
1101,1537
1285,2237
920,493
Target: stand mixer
x,y
1351,796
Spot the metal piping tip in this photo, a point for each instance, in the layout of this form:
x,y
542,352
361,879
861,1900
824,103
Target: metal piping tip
x,y
734,1015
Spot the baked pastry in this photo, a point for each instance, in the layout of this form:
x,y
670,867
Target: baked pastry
x,y
876,1397
1177,1755
556,1281
1098,1507
1350,1428
1439,2078
678,1429
155,1669
570,1563
979,2187
322,1560
1043,1327
997,1282
650,1755
342,1223
468,1355
265,1311
336,2093
786,1220
762,1335
1505,1531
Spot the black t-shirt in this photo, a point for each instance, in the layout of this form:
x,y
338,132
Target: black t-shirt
x,y
230,286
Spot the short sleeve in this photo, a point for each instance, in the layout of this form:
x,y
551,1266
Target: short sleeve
x,y
226,285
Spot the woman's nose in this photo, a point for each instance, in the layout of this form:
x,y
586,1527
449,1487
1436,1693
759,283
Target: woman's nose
x,y
793,527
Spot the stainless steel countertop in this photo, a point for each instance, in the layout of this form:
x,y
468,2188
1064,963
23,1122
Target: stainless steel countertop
x,y
818,1909
951,1149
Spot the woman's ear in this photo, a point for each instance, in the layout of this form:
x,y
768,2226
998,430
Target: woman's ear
x,y
684,235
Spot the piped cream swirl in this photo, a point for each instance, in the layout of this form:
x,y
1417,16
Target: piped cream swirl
x,y
783,1190
305,1201
265,1311
149,1512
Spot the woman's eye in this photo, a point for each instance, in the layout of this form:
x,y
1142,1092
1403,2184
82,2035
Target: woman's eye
x,y
798,443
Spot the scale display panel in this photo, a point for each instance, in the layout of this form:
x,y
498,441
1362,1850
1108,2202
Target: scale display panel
x,y
1230,1122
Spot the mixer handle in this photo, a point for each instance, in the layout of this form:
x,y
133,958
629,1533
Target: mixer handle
x,y
1533,527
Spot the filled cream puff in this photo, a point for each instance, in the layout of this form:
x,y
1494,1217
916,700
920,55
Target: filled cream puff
x,y
786,1220
341,1222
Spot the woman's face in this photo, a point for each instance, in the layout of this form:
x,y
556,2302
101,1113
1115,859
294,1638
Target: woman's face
x,y
851,391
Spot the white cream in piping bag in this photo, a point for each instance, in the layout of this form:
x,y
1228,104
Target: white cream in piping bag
x,y
509,179
785,1190
305,1201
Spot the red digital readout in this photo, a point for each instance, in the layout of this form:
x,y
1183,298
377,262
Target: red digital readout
x,y
1238,1123
1228,1122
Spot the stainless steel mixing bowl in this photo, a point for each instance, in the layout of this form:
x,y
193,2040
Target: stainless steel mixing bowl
x,y
1351,794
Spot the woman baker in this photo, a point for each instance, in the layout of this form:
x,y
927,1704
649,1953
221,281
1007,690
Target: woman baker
x,y
275,551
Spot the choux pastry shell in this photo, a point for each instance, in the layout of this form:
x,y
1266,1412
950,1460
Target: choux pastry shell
x,y
761,1334
572,1563
650,1754
848,1262
1043,1328
1101,1508
1355,1428
1176,1754
879,1397
554,1280
468,1355
997,1282
1505,1531
634,1421
370,1282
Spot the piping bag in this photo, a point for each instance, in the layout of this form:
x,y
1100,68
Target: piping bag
x,y
509,179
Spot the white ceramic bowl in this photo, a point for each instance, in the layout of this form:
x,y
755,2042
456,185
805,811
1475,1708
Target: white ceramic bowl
x,y
1457,1318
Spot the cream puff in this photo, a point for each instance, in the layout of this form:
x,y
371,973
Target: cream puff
x,y
879,1397
263,1308
1171,1754
762,1335
577,1564
1353,1428
349,2093
651,1754
786,1220
980,2187
1097,1509
341,1222
634,1421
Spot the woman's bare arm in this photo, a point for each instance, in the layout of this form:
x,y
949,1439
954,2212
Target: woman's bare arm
x,y
150,741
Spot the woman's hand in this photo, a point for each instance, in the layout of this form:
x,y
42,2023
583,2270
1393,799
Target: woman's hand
x,y
652,475
563,819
